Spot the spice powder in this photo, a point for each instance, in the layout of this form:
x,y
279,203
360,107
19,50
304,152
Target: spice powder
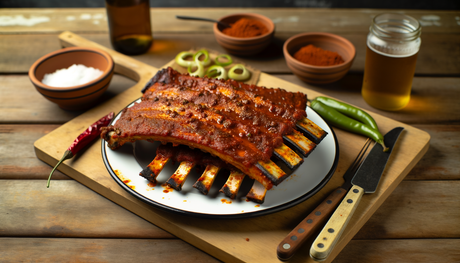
x,y
246,27
317,56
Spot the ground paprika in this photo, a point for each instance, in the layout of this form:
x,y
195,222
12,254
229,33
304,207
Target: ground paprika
x,y
246,27
317,56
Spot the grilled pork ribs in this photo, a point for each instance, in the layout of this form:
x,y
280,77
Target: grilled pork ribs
x,y
243,125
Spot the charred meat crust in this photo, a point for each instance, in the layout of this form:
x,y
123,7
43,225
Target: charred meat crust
x,y
241,124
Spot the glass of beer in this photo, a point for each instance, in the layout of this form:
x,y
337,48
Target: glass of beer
x,y
392,47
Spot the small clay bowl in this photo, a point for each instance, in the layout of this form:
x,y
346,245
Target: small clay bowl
x,y
76,97
319,74
247,46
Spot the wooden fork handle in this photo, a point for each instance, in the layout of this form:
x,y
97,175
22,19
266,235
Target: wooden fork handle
x,y
305,229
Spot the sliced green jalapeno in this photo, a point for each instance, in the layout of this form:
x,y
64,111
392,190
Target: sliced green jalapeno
x,y
340,120
245,74
199,72
206,61
217,72
180,59
350,111
223,64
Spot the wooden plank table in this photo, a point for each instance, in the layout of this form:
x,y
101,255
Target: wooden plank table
x,y
419,221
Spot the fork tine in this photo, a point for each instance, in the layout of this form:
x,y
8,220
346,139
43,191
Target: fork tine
x,y
358,160
361,154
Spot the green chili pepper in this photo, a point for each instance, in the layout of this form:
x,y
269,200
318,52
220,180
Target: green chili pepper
x,y
350,111
340,120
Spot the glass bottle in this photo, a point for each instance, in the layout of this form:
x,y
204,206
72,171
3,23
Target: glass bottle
x,y
392,47
129,25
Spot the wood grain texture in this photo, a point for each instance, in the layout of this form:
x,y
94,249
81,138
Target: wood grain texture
x,y
439,54
99,250
418,222
56,213
434,100
400,250
330,234
17,157
29,209
293,20
425,207
203,233
116,250
439,163
441,160
17,89
310,225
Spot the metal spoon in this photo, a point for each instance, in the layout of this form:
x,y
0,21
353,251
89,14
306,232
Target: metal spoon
x,y
203,19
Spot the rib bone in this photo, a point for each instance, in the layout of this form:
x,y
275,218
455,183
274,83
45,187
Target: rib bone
x,y
152,170
204,183
178,178
303,145
257,193
311,130
233,183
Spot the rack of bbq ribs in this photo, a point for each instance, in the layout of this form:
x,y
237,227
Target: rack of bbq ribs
x,y
218,124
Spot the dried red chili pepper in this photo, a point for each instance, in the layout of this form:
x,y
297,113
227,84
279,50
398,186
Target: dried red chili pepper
x,y
82,140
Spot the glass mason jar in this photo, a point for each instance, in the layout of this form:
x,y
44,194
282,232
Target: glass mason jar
x,y
129,25
392,47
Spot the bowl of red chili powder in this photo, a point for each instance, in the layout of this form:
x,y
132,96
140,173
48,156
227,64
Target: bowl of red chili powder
x,y
319,58
247,35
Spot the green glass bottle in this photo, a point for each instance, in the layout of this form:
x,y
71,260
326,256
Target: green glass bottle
x,y
129,26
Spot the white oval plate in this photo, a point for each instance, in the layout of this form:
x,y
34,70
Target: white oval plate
x,y
303,182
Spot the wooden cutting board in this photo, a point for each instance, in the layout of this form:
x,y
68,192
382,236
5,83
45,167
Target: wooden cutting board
x,y
230,240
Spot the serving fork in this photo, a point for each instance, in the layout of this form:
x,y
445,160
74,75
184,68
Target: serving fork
x,y
318,217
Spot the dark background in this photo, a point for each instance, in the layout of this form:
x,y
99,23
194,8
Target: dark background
x,y
385,4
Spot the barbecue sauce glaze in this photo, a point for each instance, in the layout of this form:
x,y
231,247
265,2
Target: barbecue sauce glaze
x,y
230,118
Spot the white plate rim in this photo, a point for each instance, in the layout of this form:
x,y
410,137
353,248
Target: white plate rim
x,y
247,214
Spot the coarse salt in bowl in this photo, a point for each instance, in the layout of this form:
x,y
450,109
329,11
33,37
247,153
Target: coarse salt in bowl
x,y
77,88
75,75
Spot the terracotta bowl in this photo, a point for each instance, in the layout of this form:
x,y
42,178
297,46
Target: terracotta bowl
x,y
75,97
326,41
244,46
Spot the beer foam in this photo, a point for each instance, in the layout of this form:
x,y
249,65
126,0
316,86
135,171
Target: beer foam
x,y
393,49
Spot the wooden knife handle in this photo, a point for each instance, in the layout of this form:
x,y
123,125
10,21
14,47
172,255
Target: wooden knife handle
x,y
327,239
304,230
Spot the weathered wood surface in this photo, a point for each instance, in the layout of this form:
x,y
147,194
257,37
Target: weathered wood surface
x,y
148,250
418,222
434,99
210,235
438,54
290,20
439,163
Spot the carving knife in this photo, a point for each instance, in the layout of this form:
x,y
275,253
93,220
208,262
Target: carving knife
x,y
365,180
318,217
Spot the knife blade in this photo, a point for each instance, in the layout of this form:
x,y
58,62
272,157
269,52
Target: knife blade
x,y
365,180
318,217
